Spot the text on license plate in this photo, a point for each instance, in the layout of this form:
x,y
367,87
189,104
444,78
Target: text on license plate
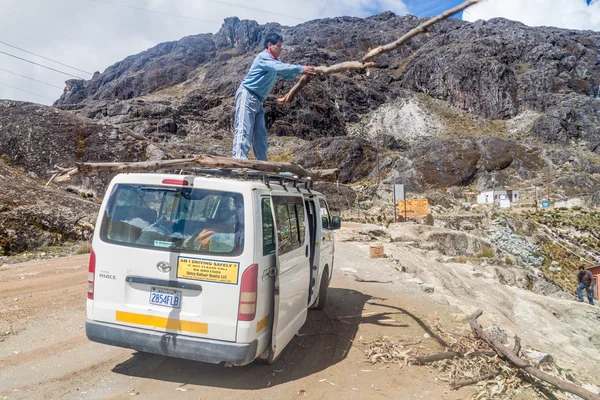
x,y
166,298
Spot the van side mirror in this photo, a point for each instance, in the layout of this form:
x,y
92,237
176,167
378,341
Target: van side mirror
x,y
325,222
336,223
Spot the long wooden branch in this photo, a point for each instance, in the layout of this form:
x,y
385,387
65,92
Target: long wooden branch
x,y
418,30
508,354
201,161
365,62
333,69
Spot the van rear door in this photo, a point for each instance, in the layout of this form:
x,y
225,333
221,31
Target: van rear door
x,y
293,269
169,259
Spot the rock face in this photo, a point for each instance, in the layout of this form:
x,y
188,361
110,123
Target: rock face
x,y
37,138
32,215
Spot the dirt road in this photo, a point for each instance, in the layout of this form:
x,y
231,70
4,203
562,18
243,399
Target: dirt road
x,y
44,353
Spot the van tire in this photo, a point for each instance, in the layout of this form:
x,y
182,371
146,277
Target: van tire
x,y
269,360
322,297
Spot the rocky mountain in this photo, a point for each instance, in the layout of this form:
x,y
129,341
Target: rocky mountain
x,y
32,215
471,106
524,96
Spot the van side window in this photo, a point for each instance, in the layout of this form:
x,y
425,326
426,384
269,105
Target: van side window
x,y
289,215
267,228
325,217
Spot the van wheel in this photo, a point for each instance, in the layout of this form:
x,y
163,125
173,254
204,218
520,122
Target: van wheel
x,y
322,297
268,357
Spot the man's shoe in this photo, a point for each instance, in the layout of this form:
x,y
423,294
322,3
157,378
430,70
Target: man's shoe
x,y
580,301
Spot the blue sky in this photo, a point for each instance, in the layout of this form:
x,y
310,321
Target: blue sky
x,y
429,8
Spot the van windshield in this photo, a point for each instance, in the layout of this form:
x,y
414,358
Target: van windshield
x,y
175,219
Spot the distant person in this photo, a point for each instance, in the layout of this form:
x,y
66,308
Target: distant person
x,y
249,125
586,281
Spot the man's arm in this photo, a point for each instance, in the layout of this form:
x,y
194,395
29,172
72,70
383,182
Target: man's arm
x,y
285,71
269,64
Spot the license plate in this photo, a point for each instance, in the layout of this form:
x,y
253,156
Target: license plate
x,y
165,298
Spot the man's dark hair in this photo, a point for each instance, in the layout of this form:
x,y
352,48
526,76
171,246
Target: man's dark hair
x,y
581,268
272,38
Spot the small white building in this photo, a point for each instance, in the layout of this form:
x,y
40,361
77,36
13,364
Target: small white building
x,y
513,196
485,197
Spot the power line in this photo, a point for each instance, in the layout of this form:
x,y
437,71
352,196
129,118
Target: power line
x,y
255,9
34,63
45,58
200,19
157,12
22,90
31,79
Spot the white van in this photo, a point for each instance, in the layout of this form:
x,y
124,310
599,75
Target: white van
x,y
213,269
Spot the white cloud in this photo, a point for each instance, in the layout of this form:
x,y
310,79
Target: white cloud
x,y
92,36
569,14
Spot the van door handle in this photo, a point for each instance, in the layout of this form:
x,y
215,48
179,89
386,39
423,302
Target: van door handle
x,y
306,251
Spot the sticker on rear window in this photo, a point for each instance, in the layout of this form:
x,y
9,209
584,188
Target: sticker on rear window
x,y
158,243
201,269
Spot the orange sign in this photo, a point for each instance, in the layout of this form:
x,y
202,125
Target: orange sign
x,y
414,207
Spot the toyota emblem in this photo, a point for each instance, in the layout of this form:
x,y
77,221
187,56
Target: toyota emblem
x,y
163,266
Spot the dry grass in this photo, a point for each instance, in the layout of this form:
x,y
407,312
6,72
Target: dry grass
x,y
83,248
486,252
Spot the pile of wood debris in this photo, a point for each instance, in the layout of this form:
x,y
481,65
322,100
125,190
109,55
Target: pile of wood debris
x,y
480,360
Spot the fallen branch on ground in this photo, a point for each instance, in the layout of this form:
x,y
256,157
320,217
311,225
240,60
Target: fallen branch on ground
x,y
466,382
201,161
451,354
359,279
523,365
365,62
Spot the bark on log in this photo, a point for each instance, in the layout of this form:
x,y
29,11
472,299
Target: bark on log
x,y
466,382
365,62
203,161
508,354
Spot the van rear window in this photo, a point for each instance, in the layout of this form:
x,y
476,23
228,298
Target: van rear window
x,y
175,219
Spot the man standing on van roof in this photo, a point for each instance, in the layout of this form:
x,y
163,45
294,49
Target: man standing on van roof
x,y
250,128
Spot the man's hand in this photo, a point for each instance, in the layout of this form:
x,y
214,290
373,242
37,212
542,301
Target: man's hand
x,y
310,71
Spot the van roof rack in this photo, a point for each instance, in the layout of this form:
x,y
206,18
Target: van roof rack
x,y
265,177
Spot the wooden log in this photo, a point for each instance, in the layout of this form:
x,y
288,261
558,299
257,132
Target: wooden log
x,y
333,69
466,382
451,354
202,161
365,62
509,355
416,31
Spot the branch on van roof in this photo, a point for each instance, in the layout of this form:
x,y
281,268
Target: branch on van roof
x,y
204,161
365,62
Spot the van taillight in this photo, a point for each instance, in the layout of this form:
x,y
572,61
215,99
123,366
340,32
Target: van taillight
x,y
248,292
91,273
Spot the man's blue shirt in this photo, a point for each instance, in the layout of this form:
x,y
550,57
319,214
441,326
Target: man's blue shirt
x,y
264,71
